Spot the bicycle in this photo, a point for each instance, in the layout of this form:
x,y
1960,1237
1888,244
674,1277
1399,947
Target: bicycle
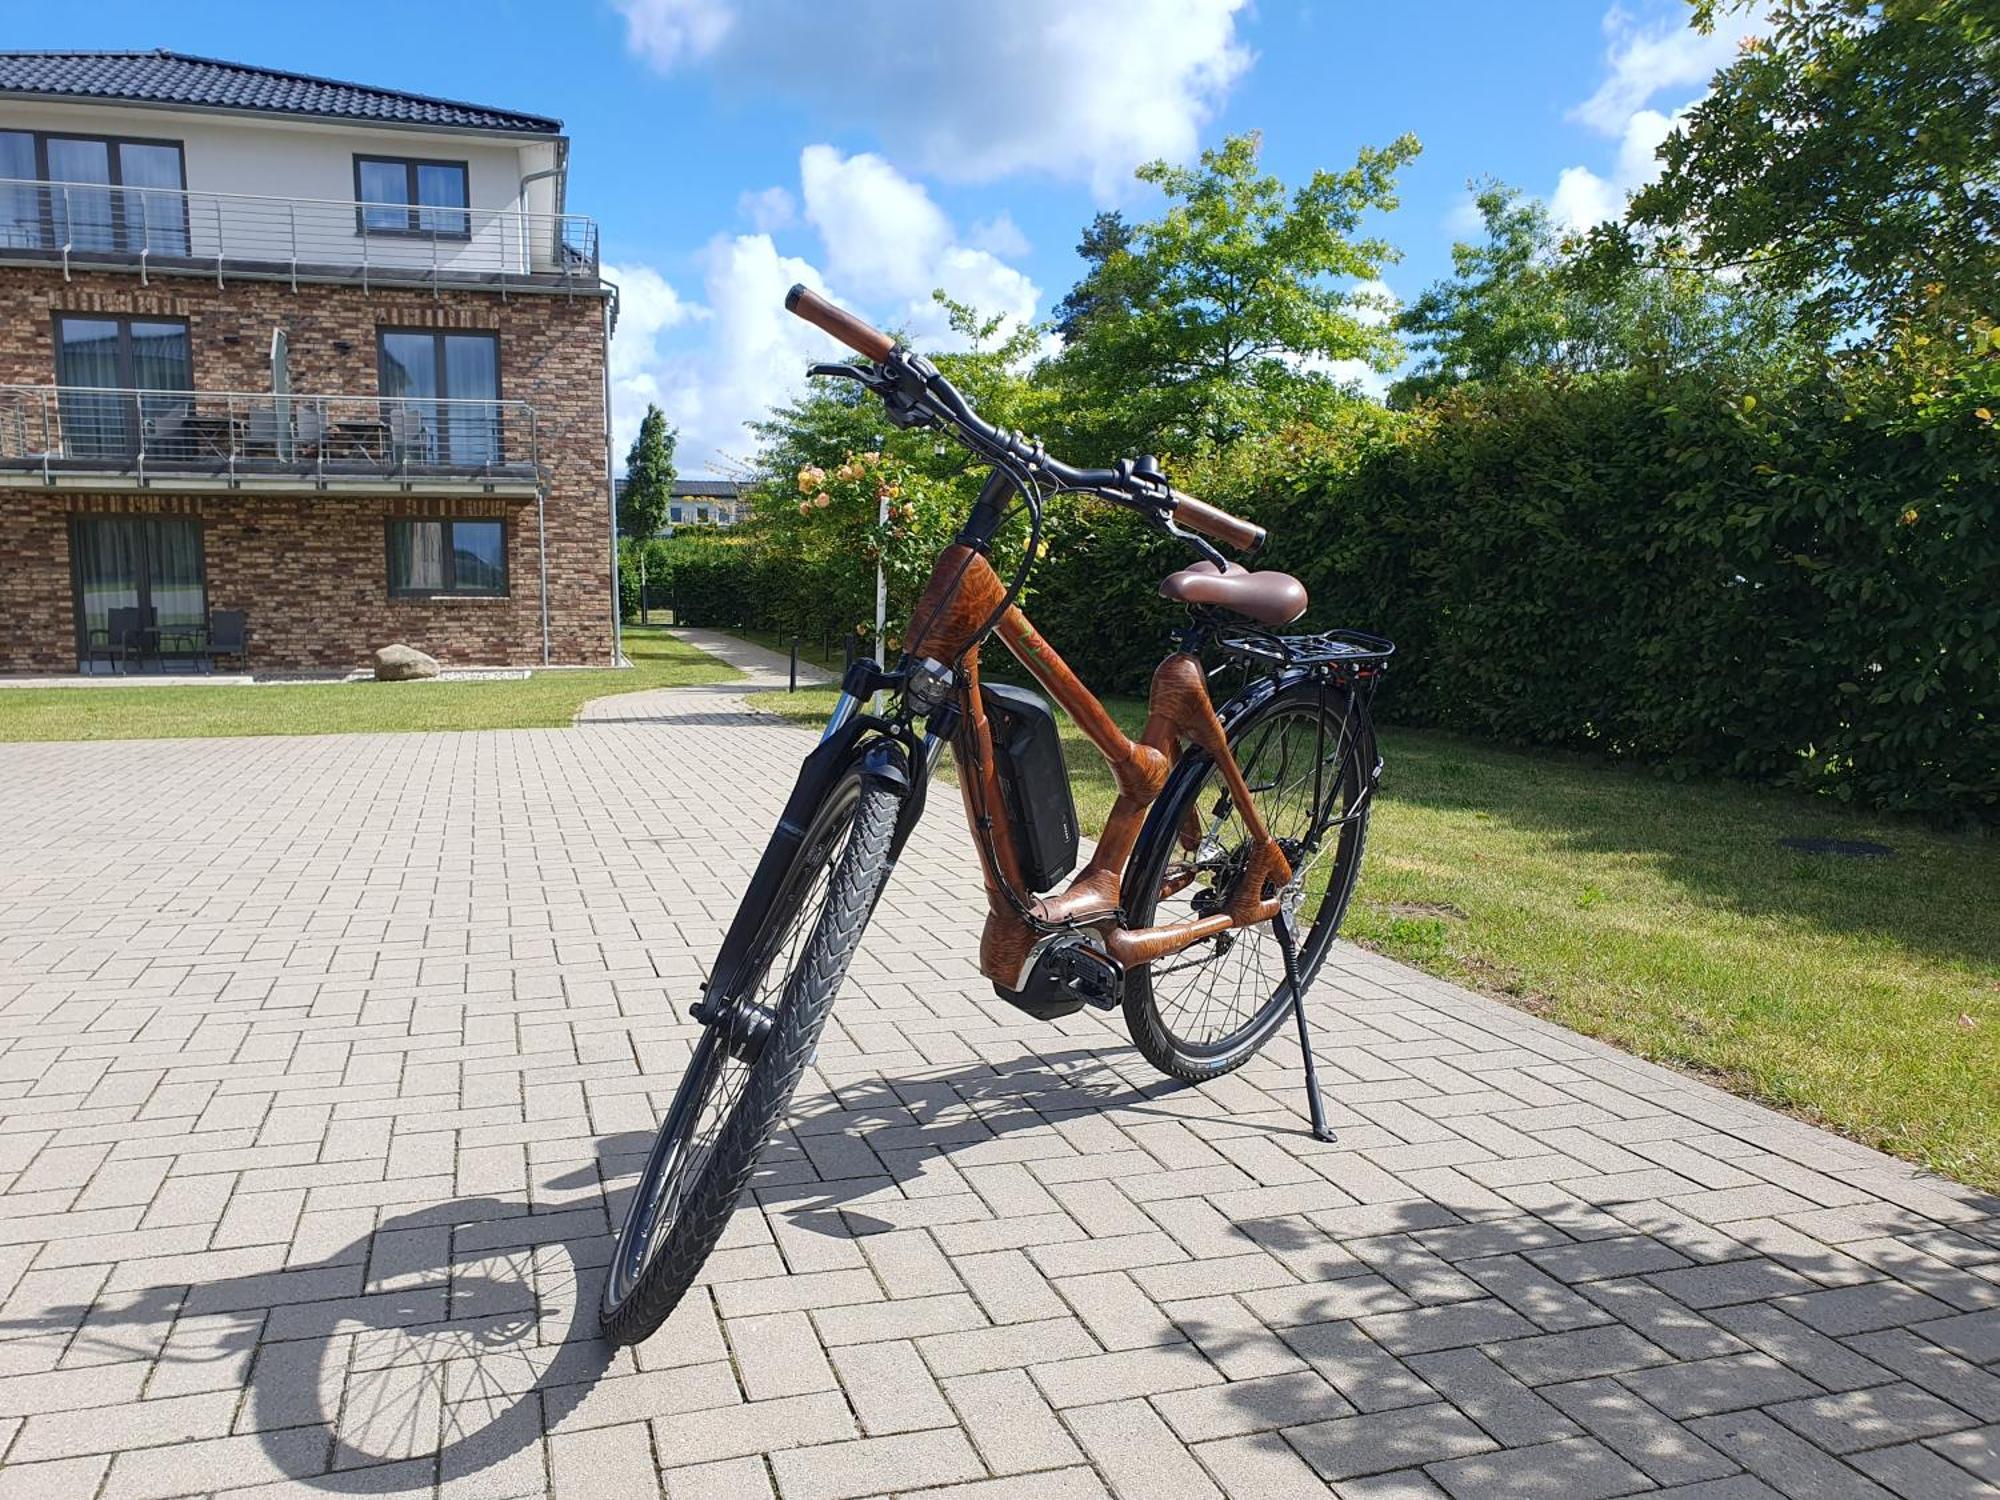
x,y
1255,828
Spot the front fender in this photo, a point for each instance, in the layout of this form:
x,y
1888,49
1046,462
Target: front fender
x,y
885,757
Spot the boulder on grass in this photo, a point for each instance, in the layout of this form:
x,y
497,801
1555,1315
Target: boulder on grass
x,y
403,664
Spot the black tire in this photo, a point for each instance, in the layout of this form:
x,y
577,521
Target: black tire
x,y
726,1108
1243,995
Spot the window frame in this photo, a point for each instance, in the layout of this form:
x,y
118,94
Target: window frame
x,y
124,321
439,363
46,212
438,337
413,229
449,589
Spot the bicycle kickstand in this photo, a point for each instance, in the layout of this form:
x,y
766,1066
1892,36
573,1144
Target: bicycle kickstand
x,y
1289,948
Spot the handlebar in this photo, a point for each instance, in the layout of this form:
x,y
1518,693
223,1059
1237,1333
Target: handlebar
x,y
871,343
1213,521
1129,484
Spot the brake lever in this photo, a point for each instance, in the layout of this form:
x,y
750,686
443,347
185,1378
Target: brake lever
x,y
845,372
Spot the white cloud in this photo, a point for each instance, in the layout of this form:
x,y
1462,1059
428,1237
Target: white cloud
x,y
672,31
1640,62
648,307
881,230
773,208
1000,235
1374,304
1583,198
885,246
1083,92
1647,60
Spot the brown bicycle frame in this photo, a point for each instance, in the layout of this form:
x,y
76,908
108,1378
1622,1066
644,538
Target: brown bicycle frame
x,y
959,600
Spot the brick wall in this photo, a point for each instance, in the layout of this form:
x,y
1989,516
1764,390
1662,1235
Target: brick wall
x,y
310,570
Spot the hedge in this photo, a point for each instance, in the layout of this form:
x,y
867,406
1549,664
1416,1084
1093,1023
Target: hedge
x,y
1802,589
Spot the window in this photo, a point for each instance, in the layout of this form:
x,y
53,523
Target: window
x,y
446,386
117,194
143,367
447,557
425,198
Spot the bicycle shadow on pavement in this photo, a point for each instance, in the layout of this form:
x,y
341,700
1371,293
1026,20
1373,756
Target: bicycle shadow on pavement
x,y
443,1344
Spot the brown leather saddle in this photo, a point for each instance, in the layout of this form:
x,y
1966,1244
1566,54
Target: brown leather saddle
x,y
1269,598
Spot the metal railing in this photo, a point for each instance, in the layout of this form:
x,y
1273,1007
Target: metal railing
x,y
311,239
54,430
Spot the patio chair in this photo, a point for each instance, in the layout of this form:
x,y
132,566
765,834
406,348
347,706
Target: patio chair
x,y
263,433
410,437
167,435
228,635
310,427
127,628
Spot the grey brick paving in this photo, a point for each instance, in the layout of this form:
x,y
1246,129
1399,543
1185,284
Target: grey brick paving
x,y
318,1056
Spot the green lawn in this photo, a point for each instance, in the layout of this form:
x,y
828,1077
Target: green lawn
x,y
1861,994
547,698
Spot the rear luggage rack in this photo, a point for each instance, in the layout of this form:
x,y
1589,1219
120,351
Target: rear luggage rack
x,y
1340,651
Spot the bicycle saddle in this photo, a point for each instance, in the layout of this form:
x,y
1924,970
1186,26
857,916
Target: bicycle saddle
x,y
1269,598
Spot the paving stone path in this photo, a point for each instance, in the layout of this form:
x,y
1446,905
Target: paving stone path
x,y
316,1056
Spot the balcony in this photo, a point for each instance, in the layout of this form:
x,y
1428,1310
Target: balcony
x,y
93,438
174,232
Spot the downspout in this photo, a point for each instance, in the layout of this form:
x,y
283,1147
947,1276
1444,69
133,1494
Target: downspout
x,y
611,481
542,552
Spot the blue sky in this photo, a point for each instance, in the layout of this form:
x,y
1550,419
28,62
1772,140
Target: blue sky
x,y
730,147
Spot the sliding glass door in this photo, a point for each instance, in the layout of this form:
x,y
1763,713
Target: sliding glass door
x,y
428,372
150,563
143,367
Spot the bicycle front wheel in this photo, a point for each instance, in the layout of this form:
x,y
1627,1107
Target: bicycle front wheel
x,y
745,1067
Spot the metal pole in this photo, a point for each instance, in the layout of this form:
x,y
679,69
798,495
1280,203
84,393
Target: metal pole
x,y
611,489
793,685
881,577
542,558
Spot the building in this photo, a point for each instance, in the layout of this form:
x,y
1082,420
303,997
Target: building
x,y
692,502
325,355
702,502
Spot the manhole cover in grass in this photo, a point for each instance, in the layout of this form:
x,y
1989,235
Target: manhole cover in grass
x,y
1844,848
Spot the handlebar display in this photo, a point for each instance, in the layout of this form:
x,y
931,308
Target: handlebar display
x,y
913,382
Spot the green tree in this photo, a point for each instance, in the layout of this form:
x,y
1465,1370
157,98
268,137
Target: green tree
x,y
1106,236
1502,311
1224,314
1851,158
649,477
1528,300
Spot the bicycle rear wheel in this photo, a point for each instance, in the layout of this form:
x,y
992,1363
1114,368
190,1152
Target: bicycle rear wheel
x,y
1203,1012
746,1066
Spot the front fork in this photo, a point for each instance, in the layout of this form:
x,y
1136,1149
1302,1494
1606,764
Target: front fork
x,y
889,752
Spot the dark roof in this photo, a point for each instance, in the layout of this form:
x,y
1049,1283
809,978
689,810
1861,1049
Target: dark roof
x,y
698,489
175,78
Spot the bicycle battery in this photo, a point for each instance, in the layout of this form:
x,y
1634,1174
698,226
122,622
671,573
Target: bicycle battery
x,y
1034,782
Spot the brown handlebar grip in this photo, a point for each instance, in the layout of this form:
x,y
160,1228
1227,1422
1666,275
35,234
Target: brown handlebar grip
x,y
839,322
1199,515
